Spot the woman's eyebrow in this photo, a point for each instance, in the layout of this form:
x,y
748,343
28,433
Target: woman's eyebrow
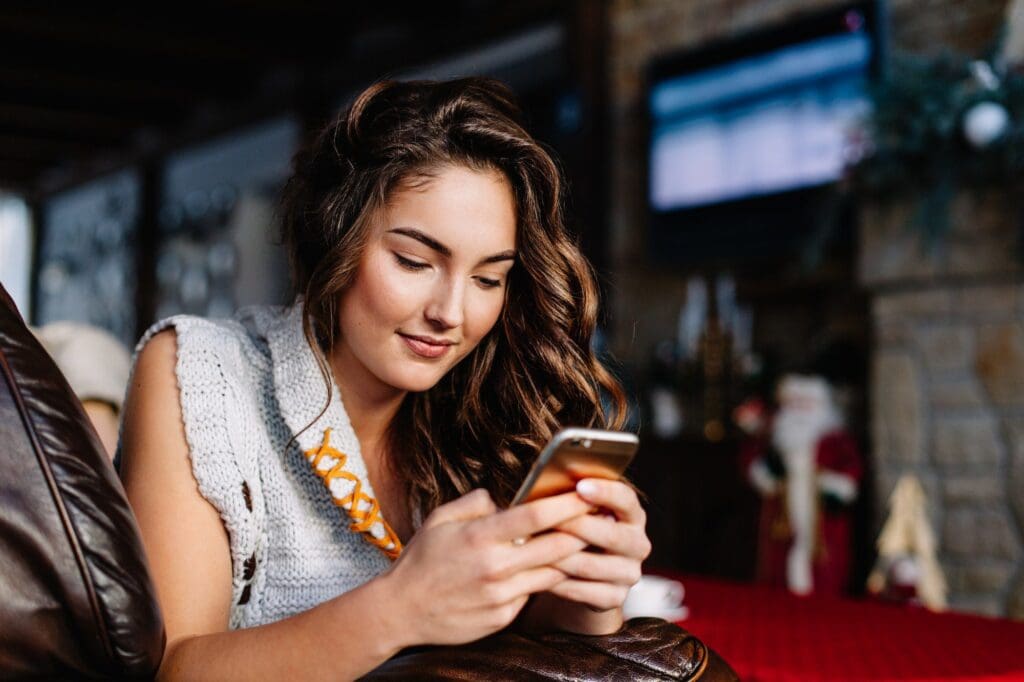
x,y
423,239
432,243
498,257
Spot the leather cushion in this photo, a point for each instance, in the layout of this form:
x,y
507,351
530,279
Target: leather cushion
x,y
76,598
644,649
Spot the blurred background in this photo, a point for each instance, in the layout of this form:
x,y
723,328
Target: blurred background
x,y
809,189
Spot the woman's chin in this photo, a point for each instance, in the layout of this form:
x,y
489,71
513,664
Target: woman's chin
x,y
415,383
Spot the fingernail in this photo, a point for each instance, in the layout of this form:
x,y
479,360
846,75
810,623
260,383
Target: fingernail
x,y
586,488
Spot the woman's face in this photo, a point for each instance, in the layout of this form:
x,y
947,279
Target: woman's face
x,y
431,282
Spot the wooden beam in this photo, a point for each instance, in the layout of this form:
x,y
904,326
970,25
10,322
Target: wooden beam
x,y
18,175
35,212
98,87
435,42
588,61
220,121
26,166
23,148
78,26
147,231
94,127
323,80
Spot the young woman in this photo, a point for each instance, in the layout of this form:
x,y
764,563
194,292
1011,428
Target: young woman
x,y
322,485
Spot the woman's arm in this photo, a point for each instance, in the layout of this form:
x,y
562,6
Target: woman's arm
x,y
459,579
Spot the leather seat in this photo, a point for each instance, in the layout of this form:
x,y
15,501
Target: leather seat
x,y
76,598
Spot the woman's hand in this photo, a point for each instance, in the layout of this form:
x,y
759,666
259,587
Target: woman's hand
x,y
589,600
463,577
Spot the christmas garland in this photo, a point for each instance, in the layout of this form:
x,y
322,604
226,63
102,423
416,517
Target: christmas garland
x,y
937,125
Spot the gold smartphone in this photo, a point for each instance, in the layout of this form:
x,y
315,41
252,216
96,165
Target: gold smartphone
x,y
574,454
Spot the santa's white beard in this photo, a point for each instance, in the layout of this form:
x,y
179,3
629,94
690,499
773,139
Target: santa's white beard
x,y
795,431
795,435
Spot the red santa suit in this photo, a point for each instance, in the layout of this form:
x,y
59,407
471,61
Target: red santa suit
x,y
807,485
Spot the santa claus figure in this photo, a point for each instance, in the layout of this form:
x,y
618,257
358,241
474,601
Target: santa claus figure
x,y
808,471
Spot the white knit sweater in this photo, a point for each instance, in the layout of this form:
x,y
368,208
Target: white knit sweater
x,y
247,386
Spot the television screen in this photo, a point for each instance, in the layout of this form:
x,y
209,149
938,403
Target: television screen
x,y
751,123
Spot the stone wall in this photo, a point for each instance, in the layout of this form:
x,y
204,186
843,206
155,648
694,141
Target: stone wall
x,y
947,385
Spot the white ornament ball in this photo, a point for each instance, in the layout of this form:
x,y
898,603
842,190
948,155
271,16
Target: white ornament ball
x,y
984,123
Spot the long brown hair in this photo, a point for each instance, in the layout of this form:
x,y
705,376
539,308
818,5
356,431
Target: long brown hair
x,y
485,421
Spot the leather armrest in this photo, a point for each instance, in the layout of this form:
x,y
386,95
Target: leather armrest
x,y
644,649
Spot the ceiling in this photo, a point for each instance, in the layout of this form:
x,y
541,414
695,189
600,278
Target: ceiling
x,y
89,87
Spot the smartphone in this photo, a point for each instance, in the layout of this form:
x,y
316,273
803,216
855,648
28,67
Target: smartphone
x,y
574,454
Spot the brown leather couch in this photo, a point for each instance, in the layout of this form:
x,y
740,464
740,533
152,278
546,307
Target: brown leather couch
x,y
76,599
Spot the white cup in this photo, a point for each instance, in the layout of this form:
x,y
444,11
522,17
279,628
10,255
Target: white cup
x,y
655,596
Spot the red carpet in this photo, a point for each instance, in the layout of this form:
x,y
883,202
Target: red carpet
x,y
772,636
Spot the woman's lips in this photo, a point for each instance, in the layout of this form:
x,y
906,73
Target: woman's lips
x,y
425,348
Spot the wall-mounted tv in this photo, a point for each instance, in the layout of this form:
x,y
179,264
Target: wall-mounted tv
x,y
746,134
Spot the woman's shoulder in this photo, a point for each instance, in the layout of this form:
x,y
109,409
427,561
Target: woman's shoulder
x,y
241,337
207,356
211,331
218,370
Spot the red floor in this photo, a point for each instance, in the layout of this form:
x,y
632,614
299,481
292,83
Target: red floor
x,y
772,636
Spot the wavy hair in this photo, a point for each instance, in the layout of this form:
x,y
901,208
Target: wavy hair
x,y
485,421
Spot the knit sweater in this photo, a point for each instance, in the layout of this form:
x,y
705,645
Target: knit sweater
x,y
247,386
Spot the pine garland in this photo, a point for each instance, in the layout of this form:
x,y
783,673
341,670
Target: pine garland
x,y
913,143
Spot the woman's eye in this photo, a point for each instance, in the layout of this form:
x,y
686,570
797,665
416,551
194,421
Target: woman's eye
x,y
488,283
409,264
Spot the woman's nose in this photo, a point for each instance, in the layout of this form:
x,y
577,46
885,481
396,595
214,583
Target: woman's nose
x,y
445,308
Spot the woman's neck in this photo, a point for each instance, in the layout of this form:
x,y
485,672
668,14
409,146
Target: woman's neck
x,y
371,405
